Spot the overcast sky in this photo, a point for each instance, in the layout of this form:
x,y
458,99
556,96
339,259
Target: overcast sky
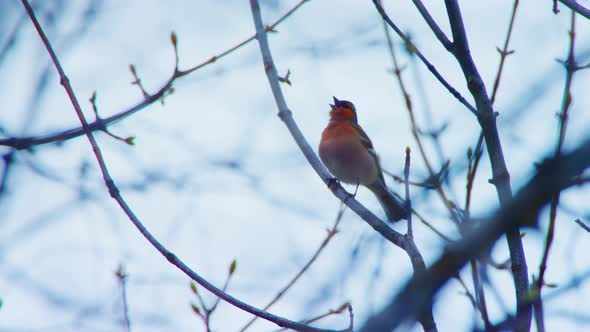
x,y
215,175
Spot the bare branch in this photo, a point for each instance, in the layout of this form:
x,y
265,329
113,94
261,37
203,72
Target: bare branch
x,y
114,192
331,232
23,143
552,176
575,6
430,67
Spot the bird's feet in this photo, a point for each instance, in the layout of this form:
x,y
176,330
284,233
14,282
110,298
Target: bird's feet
x,y
331,182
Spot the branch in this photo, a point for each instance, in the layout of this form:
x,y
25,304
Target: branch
x,y
581,224
553,175
22,143
404,242
430,67
287,117
331,232
487,119
442,38
114,192
571,67
575,6
500,176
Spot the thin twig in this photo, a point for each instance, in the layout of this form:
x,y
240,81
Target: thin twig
x,y
479,293
442,38
581,224
427,63
114,192
122,279
500,175
407,187
417,295
331,232
570,69
286,116
329,313
408,103
504,52
23,143
467,292
478,153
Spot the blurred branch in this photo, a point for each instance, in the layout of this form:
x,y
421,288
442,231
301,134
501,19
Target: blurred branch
x,y
486,117
27,142
408,103
330,313
331,232
571,67
500,176
201,310
581,224
408,201
427,63
122,279
114,192
404,242
552,176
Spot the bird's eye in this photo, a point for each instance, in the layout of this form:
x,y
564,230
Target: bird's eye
x,y
348,105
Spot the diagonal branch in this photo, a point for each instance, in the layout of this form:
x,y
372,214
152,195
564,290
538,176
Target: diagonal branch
x,y
553,176
22,143
287,117
114,192
404,242
442,38
575,6
422,58
500,176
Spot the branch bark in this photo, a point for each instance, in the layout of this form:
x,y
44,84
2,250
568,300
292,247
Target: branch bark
x,y
553,176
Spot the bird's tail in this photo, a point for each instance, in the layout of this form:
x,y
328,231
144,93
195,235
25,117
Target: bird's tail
x,y
394,209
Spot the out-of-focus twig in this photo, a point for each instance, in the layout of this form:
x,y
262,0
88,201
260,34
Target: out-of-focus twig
x,y
20,143
115,194
330,234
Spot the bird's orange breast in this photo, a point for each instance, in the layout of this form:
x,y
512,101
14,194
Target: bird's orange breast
x,y
345,156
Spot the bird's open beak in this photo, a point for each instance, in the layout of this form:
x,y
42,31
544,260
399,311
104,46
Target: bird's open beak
x,y
336,101
333,107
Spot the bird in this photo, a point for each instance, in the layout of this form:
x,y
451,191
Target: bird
x,y
348,153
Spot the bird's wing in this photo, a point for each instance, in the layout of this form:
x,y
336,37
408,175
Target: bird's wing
x,y
365,140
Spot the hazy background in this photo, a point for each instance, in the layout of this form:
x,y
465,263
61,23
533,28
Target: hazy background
x,y
215,175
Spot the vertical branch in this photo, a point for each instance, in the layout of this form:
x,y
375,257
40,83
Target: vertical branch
x,y
407,185
478,153
504,52
480,298
426,318
571,67
115,194
122,278
408,103
500,176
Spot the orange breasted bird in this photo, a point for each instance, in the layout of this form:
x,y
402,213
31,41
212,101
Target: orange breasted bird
x,y
347,152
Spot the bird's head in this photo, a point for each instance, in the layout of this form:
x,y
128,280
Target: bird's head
x,y
343,110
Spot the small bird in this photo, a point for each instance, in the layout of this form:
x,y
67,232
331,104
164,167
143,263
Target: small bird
x,y
347,152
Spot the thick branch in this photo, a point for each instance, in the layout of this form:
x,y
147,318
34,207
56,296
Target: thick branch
x,y
575,6
553,176
500,175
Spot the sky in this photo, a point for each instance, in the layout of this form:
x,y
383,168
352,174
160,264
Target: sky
x,y
215,175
